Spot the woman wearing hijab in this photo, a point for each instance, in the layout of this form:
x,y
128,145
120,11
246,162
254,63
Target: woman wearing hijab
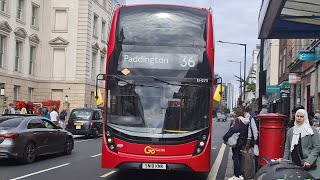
x,y
303,144
240,125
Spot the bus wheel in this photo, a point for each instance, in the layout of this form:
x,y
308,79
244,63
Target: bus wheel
x,y
202,175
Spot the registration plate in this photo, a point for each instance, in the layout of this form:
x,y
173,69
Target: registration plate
x,y
78,123
78,127
153,166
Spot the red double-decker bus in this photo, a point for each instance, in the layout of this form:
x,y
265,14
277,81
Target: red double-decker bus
x,y
159,89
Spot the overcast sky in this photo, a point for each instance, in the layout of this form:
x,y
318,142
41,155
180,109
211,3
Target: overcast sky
x,y
234,21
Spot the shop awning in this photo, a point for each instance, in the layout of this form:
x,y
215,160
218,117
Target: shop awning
x,y
285,19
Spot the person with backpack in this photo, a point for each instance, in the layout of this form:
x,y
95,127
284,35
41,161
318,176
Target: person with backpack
x,y
63,115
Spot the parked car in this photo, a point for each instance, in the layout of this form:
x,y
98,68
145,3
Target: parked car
x,y
26,137
221,117
85,121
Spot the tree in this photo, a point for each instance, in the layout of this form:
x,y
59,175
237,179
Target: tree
x,y
226,110
250,87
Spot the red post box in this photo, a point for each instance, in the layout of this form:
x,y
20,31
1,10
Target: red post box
x,y
272,136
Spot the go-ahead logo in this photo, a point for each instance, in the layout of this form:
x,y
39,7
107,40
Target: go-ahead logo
x,y
151,150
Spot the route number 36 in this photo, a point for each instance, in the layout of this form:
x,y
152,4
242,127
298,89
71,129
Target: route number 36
x,y
188,62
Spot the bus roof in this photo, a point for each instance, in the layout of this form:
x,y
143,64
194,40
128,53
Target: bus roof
x,y
133,5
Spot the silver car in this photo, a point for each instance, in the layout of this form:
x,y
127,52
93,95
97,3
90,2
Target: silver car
x,y
25,137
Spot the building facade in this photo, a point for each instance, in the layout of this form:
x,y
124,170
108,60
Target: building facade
x,y
251,79
52,49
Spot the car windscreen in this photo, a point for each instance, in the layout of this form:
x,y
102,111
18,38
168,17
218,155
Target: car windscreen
x,y
81,114
10,123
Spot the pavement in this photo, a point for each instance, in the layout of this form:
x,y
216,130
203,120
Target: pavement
x,y
229,169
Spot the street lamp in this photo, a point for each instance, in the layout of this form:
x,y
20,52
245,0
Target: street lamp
x,y
245,63
240,74
66,98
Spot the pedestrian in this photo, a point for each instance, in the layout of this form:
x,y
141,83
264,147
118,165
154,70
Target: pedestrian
x,y
316,119
54,117
46,113
303,145
240,125
23,110
311,116
293,112
11,109
63,115
252,130
264,109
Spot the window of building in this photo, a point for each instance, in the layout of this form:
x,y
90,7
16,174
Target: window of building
x,y
95,25
2,50
3,5
32,59
30,94
104,3
16,90
102,65
93,66
34,16
284,58
59,62
61,20
103,31
18,56
20,9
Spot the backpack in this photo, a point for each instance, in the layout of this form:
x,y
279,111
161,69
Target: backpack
x,y
63,114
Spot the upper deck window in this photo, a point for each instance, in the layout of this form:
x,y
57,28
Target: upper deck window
x,y
162,25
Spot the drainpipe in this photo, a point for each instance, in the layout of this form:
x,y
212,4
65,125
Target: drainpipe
x,y
316,96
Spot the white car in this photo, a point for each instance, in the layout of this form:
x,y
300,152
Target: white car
x,y
221,117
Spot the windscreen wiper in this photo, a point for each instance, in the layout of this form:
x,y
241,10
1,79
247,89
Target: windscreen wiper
x,y
133,83
176,84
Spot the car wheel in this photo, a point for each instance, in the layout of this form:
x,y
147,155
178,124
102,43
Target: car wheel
x,y
29,154
69,146
96,133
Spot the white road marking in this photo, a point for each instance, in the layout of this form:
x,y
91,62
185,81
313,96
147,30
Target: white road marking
x,y
38,172
84,140
96,155
215,168
108,174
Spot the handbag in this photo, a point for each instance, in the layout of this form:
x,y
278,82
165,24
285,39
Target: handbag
x,y
248,164
232,141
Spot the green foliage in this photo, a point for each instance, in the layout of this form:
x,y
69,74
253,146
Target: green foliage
x,y
226,110
250,87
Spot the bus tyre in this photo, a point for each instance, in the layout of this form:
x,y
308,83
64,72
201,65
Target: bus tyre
x,y
202,175
29,154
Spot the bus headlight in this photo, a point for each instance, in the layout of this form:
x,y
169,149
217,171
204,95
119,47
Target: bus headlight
x,y
202,139
110,141
201,143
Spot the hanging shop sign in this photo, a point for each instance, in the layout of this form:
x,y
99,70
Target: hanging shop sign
x,y
285,93
273,89
307,55
317,52
294,78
